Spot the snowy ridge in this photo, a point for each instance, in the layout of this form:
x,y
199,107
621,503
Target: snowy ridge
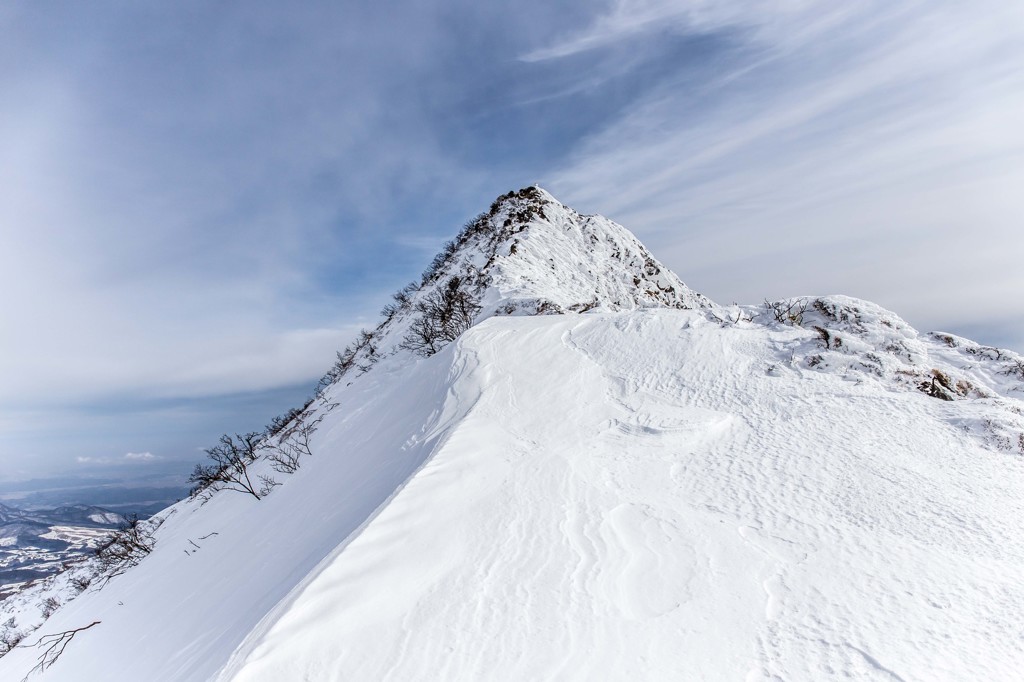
x,y
862,341
647,486
529,255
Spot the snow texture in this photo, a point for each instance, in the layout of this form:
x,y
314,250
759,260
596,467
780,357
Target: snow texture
x,y
658,488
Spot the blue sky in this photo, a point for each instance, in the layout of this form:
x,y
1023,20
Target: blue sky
x,y
200,202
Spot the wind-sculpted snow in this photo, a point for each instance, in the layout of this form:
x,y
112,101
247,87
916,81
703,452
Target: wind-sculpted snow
x,y
645,486
668,509
864,342
219,568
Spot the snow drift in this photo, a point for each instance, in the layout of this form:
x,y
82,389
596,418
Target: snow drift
x,y
645,486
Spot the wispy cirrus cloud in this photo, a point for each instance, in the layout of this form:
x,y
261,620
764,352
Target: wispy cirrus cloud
x,y
200,203
866,148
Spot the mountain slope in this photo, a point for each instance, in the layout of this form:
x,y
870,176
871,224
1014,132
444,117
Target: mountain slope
x,y
658,488
667,509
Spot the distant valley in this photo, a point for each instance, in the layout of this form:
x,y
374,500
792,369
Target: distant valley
x,y
36,543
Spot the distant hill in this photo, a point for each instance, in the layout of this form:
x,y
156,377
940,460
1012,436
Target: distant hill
x,y
37,543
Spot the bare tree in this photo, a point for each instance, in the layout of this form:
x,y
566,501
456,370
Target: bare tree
x,y
444,314
285,456
125,547
229,470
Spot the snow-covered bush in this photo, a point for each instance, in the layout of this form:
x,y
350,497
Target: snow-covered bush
x,y
10,636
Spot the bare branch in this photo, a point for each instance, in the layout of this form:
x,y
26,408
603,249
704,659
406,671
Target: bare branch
x,y
229,470
55,646
443,315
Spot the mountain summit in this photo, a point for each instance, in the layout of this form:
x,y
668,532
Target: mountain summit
x,y
527,255
531,252
553,460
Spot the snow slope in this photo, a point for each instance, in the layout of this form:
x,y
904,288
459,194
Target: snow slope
x,y
666,509
657,488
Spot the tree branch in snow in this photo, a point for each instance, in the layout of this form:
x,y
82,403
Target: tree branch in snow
x,y
55,646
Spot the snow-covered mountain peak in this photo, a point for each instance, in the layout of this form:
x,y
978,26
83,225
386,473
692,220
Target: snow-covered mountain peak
x,y
543,255
528,254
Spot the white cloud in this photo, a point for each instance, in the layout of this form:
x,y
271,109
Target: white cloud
x,y
873,150
172,222
779,22
128,457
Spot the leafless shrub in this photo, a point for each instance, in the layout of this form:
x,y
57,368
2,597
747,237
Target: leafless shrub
x,y
360,355
366,350
125,547
1016,368
728,320
281,423
403,297
791,312
49,606
285,456
872,363
10,636
325,404
964,387
229,470
444,314
81,582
